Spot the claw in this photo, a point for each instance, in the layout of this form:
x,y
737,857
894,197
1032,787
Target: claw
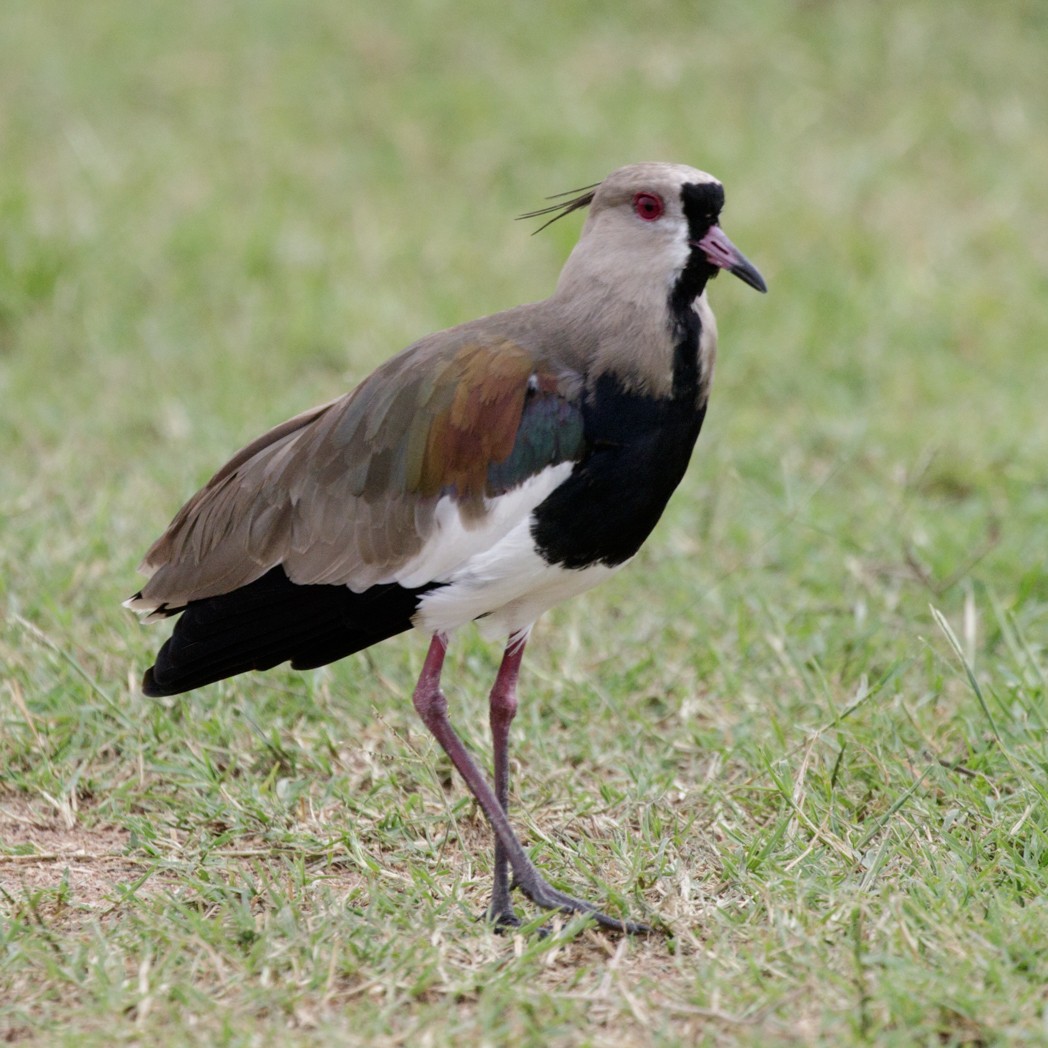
x,y
502,923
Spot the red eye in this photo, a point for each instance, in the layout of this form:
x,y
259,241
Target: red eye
x,y
648,206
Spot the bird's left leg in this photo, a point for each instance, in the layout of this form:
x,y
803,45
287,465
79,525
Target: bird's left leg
x,y
502,707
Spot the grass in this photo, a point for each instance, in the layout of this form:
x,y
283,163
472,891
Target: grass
x,y
805,732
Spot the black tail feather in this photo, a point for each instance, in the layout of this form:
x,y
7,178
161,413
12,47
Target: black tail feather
x,y
274,620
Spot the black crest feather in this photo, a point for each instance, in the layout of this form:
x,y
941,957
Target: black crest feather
x,y
564,207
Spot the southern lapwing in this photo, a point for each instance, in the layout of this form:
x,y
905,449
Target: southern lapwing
x,y
482,475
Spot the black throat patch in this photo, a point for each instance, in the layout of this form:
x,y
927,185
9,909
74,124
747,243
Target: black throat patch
x,y
702,206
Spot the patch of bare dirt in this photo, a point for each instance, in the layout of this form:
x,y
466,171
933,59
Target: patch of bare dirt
x,y
42,845
46,847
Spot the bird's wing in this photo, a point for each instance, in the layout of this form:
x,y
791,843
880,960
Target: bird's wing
x,y
360,490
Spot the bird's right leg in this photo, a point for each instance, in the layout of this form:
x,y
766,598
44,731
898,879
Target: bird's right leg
x,y
502,707
432,707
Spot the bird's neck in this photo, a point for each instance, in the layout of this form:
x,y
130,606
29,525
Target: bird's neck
x,y
652,348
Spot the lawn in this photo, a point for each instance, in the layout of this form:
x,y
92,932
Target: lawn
x,y
805,733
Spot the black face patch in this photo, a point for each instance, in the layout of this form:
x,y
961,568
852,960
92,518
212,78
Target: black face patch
x,y
702,206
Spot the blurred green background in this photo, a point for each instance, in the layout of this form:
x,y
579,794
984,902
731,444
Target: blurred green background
x,y
215,215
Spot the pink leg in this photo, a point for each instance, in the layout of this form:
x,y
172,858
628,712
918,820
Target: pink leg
x,y
502,705
432,707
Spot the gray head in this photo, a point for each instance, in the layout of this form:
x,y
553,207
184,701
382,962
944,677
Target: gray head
x,y
656,219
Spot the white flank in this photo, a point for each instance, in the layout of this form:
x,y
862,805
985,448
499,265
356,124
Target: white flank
x,y
455,541
505,588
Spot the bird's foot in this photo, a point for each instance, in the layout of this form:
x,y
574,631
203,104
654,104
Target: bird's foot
x,y
543,894
504,920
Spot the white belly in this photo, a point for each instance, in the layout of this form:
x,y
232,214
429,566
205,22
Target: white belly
x,y
505,588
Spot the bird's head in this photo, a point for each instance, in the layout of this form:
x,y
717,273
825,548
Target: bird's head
x,y
655,221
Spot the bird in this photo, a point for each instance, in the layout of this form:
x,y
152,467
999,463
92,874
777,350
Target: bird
x,y
483,474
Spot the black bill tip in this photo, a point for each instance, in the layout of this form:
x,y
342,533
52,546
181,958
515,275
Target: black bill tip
x,y
723,254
